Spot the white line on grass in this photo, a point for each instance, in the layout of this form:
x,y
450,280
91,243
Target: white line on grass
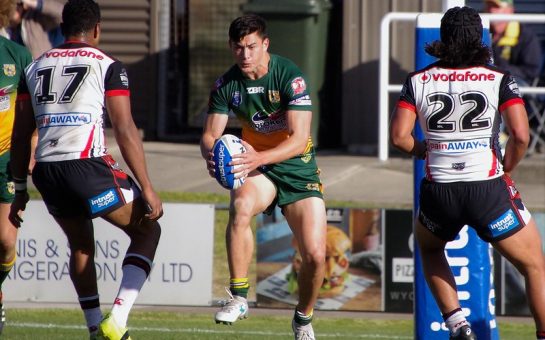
x,y
210,331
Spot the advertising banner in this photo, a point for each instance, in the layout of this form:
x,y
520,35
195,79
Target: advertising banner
x,y
353,261
181,274
398,261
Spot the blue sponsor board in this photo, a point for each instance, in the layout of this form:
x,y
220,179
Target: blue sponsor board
x,y
469,257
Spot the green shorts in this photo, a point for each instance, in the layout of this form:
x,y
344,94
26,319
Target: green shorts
x,y
7,188
295,179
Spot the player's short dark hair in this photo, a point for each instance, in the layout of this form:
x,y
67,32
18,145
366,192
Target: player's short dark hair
x,y
247,24
461,39
79,16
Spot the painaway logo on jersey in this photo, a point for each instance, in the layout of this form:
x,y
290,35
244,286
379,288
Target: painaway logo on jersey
x,y
63,119
459,146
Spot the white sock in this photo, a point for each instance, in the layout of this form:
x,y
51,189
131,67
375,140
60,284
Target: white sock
x,y
133,279
456,321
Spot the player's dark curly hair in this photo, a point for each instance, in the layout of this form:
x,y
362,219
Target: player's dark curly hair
x,y
247,24
79,16
461,39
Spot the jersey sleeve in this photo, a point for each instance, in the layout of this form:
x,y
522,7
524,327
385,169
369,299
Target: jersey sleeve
x,y
406,97
22,88
300,97
116,82
295,89
218,101
509,93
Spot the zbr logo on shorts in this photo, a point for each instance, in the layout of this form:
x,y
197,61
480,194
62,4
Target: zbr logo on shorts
x,y
504,223
103,201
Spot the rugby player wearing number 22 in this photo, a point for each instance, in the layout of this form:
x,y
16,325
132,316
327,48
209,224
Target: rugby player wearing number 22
x,y
71,87
458,101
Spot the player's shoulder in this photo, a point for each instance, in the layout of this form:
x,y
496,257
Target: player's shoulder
x,y
493,68
278,62
15,49
232,75
80,50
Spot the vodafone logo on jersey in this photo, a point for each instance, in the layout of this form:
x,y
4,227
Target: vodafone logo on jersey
x,y
73,53
424,78
463,76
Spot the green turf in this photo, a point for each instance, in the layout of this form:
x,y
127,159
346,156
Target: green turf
x,y
68,324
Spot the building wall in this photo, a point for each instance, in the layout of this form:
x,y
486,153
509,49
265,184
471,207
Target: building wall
x,y
360,64
128,29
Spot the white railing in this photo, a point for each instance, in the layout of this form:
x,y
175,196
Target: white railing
x,y
385,88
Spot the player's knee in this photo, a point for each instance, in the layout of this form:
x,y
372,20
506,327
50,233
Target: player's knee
x,y
7,247
82,246
314,256
241,211
532,267
148,230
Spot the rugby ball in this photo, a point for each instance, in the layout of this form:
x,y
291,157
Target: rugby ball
x,y
224,149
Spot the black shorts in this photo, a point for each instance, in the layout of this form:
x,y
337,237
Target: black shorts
x,y
493,208
88,187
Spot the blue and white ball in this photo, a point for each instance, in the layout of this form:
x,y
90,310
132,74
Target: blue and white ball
x,y
224,149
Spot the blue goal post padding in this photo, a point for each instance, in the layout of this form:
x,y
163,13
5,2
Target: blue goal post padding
x,y
469,257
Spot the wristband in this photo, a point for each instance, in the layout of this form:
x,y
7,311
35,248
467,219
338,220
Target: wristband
x,y
20,187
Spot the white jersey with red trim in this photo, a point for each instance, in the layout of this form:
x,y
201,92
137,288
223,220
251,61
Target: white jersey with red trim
x,y
459,113
67,86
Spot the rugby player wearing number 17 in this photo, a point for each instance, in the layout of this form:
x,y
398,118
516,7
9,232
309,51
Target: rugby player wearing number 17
x,y
71,87
458,101
269,96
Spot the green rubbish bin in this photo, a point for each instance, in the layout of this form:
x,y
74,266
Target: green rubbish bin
x,y
298,30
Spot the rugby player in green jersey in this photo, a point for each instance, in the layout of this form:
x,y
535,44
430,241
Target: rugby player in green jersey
x,y
269,96
13,60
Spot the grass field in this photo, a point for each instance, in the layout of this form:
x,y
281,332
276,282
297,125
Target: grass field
x,y
65,323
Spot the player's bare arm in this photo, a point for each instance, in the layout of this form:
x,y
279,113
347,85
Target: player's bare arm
x,y
129,142
298,124
213,129
23,128
516,120
401,132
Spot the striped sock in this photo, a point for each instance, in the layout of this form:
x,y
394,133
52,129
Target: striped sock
x,y
5,268
302,318
136,269
91,310
239,287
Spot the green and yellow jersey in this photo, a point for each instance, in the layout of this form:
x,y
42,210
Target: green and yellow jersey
x,y
13,60
261,104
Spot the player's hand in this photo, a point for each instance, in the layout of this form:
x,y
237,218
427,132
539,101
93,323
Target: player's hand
x,y
29,4
244,163
17,208
210,164
153,204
